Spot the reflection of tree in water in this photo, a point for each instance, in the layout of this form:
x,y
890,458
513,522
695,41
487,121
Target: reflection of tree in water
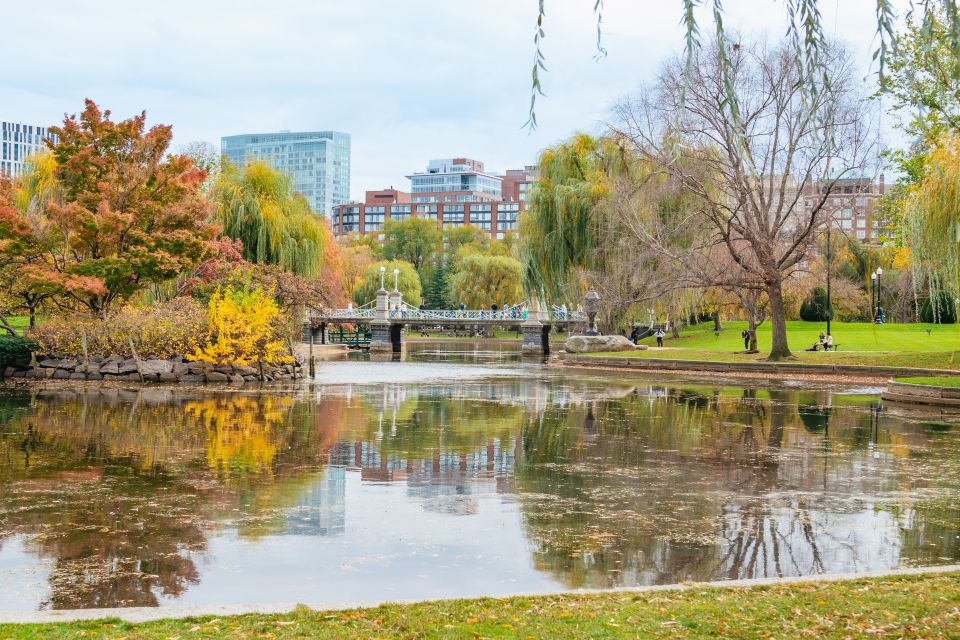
x,y
694,484
118,488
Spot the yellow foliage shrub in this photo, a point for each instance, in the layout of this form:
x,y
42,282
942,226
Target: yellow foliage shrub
x,y
245,326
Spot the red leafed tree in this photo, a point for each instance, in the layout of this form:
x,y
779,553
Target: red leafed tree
x,y
129,215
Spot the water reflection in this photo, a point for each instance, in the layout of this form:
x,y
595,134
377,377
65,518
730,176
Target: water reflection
x,y
521,482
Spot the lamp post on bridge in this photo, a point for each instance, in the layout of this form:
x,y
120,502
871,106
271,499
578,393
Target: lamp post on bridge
x,y
383,271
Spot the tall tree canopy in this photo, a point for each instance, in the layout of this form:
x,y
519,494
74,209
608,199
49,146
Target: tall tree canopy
x,y
751,154
480,281
415,240
257,205
115,214
559,232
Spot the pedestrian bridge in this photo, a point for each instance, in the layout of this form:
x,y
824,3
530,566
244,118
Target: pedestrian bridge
x,y
387,318
511,317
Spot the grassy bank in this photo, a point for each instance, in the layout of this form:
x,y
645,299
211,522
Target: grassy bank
x,y
863,343
919,606
938,381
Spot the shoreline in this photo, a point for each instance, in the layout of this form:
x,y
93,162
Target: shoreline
x,y
756,370
734,375
150,614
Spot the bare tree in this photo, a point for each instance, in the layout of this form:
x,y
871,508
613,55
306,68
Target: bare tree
x,y
750,155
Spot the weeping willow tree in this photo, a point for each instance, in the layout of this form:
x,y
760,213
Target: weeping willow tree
x,y
38,185
561,228
258,206
932,223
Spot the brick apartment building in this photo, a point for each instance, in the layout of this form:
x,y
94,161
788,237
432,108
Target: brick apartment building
x,y
451,192
853,205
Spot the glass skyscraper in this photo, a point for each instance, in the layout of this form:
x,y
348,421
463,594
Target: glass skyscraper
x,y
317,161
17,142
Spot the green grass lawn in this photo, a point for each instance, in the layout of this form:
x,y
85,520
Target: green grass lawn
x,y
896,345
936,381
926,606
20,323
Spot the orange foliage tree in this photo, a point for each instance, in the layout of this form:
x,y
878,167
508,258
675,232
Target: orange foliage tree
x,y
126,215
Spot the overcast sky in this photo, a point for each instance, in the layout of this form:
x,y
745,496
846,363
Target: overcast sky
x,y
409,80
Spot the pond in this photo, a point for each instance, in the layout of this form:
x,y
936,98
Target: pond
x,y
457,474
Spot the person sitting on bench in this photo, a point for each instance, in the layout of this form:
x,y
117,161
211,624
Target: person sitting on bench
x,y
828,344
821,342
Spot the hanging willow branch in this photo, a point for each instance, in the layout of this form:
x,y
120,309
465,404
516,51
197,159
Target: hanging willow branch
x,y
805,31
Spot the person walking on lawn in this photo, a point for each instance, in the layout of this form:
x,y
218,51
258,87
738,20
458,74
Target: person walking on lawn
x,y
746,339
659,335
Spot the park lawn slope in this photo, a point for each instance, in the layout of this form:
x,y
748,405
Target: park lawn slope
x,y
925,346
905,606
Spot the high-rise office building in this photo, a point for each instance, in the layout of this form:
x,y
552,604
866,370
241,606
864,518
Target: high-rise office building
x,y
317,161
17,142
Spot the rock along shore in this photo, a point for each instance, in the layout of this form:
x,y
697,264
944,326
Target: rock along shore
x,y
173,370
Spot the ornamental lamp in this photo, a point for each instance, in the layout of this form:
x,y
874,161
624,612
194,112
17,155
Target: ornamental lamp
x,y
591,303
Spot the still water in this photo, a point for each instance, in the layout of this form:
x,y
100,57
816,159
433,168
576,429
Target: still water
x,y
457,474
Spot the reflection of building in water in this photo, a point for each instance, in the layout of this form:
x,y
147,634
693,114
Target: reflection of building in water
x,y
533,394
321,509
446,482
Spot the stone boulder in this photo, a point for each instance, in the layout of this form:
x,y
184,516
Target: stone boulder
x,y
597,344
156,367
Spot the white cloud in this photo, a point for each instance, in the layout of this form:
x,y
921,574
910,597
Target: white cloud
x,y
409,80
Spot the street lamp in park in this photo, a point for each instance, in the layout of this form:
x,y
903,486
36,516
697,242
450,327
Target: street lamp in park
x,y
829,269
873,295
396,279
592,305
383,270
878,318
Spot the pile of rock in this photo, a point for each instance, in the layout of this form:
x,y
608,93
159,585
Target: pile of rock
x,y
152,370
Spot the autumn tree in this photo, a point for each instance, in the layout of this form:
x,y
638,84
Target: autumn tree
x,y
124,215
751,153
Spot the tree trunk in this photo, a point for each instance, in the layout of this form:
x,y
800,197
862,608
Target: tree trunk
x,y
674,329
779,349
716,321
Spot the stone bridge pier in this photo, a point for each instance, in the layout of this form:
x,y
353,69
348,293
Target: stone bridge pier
x,y
536,333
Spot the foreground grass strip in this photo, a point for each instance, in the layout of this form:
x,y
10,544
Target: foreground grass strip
x,y
915,606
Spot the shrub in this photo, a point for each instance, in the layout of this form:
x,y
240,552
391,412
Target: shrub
x,y
940,309
814,308
15,351
246,326
162,330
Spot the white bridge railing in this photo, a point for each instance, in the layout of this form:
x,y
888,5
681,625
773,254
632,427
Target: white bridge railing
x,y
556,314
